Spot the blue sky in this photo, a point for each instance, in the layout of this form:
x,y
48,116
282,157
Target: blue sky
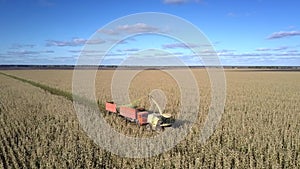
x,y
245,32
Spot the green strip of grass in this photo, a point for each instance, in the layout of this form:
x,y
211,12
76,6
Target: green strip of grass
x,y
58,92
49,89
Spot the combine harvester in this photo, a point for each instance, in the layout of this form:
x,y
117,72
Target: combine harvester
x,y
153,120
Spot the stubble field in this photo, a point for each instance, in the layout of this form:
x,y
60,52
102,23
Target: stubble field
x,y
259,127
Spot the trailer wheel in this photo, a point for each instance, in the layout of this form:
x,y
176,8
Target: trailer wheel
x,y
148,127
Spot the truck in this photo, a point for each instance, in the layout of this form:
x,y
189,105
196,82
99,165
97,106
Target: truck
x,y
153,120
137,115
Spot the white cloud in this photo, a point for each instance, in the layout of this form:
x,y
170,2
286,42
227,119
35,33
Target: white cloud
x,y
179,45
281,48
28,52
128,50
73,42
283,34
175,1
130,29
86,51
137,28
19,46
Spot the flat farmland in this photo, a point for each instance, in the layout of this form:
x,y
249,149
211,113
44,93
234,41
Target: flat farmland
x,y
259,127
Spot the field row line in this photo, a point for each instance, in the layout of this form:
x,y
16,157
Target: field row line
x,y
51,90
58,92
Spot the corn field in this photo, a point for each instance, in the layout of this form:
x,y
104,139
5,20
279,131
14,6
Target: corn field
x,y
260,126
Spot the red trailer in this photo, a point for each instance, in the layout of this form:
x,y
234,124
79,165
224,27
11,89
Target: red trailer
x,y
134,115
152,120
111,107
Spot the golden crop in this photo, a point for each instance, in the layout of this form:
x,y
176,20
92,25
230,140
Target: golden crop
x,y
259,128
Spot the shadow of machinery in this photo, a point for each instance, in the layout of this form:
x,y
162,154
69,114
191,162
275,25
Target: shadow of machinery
x,y
177,123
